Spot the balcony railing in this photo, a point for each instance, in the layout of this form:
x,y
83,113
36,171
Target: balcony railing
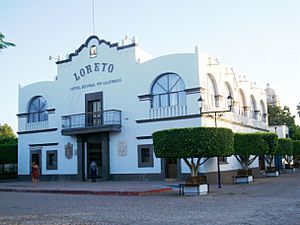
x,y
40,125
91,120
171,111
259,121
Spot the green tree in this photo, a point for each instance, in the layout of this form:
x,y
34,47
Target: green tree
x,y
296,148
298,109
247,146
198,143
4,44
285,149
271,143
279,116
6,132
294,132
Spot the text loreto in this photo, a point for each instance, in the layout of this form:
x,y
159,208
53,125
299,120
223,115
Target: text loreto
x,y
96,67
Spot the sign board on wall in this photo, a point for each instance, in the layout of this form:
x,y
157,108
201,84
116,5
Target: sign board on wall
x,y
122,148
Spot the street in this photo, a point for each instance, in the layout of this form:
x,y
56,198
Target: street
x,y
266,201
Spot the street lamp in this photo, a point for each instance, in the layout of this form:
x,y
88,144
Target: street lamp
x,y
200,102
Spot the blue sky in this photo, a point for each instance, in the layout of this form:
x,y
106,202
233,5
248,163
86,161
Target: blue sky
x,y
258,38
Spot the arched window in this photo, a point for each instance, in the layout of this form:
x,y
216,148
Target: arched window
x,y
241,103
263,111
227,92
211,90
252,107
37,110
168,90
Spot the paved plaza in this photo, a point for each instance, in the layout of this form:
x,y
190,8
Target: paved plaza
x,y
266,201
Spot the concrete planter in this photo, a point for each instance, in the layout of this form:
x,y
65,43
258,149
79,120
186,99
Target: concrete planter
x,y
290,170
201,189
272,173
243,179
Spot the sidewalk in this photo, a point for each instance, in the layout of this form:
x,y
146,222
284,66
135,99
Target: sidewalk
x,y
140,188
97,188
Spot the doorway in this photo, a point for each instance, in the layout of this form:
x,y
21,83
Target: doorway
x,y
36,156
93,108
171,168
262,163
94,113
94,153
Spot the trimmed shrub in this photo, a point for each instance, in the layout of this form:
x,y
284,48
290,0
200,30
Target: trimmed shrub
x,y
296,148
285,147
8,153
194,142
249,144
190,143
271,141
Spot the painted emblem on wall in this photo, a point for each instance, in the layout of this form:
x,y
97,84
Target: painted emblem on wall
x,y
69,151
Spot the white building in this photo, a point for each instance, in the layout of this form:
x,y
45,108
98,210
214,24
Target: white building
x,y
108,99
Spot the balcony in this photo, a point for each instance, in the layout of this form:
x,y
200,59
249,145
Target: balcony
x,y
170,111
258,122
93,122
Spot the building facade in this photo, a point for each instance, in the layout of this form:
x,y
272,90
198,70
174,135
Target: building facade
x,y
108,99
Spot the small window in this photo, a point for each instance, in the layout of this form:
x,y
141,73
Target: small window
x,y
52,160
93,51
145,156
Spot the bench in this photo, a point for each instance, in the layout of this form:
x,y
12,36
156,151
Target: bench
x,y
243,177
196,185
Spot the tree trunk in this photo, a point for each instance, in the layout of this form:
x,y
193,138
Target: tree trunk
x,y
193,167
194,171
245,165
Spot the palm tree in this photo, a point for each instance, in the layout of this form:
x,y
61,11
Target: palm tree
x,y
4,44
298,109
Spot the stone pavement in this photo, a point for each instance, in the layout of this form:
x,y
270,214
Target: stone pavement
x,y
136,188
266,201
97,188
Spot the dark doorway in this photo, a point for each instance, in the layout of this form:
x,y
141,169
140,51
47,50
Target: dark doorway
x,y
262,163
94,153
35,156
171,168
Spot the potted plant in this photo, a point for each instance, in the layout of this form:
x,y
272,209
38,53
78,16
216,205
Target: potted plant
x,y
247,146
193,145
285,149
296,153
271,143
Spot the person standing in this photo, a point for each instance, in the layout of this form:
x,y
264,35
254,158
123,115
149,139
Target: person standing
x,y
93,170
35,172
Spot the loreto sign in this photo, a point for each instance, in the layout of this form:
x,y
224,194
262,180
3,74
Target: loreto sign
x,y
96,67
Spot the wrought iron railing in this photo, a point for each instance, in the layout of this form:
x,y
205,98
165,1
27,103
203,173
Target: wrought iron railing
x,y
92,119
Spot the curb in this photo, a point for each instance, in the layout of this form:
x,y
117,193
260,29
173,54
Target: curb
x,y
87,192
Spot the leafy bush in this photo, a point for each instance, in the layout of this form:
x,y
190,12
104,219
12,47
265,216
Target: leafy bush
x,y
8,153
249,144
193,142
271,141
190,143
296,148
285,147
8,140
